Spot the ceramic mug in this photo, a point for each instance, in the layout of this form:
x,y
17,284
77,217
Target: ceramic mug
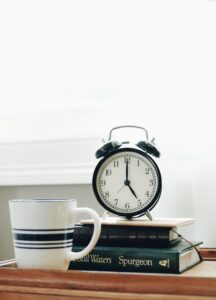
x,y
43,232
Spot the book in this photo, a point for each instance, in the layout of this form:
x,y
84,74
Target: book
x,y
144,221
137,232
175,259
115,235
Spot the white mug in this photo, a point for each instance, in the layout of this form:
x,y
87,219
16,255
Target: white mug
x,y
43,232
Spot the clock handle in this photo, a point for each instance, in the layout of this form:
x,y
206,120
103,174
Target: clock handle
x,y
127,126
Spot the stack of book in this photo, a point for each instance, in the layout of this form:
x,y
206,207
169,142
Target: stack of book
x,y
136,246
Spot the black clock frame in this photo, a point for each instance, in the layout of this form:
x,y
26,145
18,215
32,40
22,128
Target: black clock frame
x,y
142,211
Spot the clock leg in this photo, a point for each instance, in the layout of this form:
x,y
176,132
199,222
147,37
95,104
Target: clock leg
x,y
149,215
106,214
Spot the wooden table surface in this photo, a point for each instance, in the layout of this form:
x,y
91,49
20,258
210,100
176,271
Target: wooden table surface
x,y
196,283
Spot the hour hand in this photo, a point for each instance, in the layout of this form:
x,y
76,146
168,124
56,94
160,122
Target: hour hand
x,y
132,191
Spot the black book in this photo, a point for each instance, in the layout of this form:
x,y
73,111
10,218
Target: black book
x,y
127,236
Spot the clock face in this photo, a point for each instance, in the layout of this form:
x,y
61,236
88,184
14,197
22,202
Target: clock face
x,y
127,182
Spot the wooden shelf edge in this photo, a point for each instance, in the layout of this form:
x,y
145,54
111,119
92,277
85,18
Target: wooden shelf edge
x,y
92,282
108,282
32,293
208,253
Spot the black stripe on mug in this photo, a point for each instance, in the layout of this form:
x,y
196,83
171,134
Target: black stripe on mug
x,y
48,230
42,244
45,248
43,237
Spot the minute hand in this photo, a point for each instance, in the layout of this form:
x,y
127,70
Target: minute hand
x,y
127,170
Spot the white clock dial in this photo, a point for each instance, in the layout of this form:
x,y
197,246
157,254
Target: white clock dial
x,y
127,182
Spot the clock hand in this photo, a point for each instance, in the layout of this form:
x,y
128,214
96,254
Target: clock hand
x,y
132,191
127,182
121,189
126,170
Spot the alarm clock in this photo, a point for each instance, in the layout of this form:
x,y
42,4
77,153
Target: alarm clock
x,y
127,181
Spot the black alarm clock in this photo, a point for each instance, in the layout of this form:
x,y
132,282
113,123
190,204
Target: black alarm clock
x,y
127,181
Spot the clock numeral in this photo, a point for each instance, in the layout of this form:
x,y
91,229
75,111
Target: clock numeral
x,y
127,205
147,193
116,164
139,203
138,163
116,201
147,170
151,182
103,182
127,159
106,194
108,172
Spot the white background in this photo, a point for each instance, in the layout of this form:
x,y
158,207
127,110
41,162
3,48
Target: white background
x,y
73,69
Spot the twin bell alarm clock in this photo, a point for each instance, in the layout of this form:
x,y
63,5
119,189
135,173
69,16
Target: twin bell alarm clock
x,y
127,181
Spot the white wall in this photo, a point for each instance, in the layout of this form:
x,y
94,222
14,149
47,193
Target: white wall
x,y
71,69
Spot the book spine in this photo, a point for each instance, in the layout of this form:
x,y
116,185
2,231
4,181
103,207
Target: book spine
x,y
123,236
126,260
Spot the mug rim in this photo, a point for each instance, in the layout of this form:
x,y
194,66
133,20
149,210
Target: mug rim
x,y
42,200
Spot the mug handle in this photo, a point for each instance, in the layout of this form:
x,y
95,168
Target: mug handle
x,y
75,213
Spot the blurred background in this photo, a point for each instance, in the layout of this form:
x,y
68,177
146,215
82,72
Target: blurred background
x,y
72,70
